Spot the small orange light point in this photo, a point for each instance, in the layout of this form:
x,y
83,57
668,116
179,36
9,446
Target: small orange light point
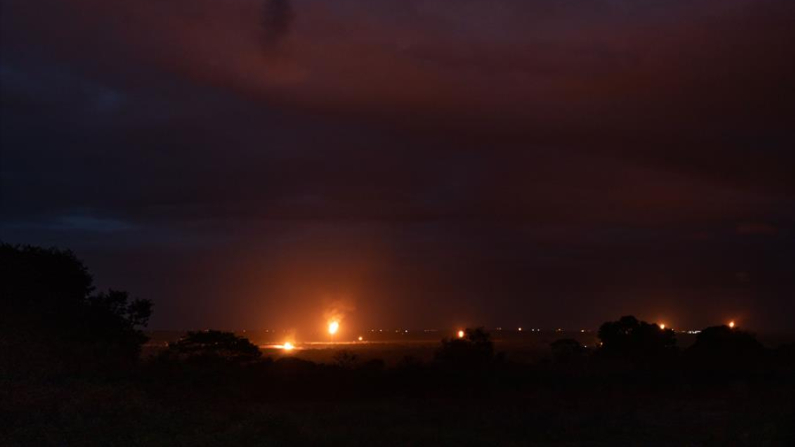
x,y
460,334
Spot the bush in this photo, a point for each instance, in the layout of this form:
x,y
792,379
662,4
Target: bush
x,y
640,343
214,345
475,350
725,349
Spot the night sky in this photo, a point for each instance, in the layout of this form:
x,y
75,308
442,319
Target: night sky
x,y
413,163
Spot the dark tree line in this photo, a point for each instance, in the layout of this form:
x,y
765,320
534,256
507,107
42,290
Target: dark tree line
x,y
50,308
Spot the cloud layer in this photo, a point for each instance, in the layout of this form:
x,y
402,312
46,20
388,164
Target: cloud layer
x,y
485,161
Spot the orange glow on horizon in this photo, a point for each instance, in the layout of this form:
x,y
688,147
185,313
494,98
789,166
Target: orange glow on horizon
x,y
662,326
460,334
731,324
287,346
333,327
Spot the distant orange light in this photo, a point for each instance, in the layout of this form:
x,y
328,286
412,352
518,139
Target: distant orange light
x,y
520,329
287,346
460,334
333,327
731,324
662,326
361,338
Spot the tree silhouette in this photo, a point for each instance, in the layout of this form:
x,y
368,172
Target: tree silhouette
x,y
41,288
474,350
642,343
721,348
48,306
215,345
112,317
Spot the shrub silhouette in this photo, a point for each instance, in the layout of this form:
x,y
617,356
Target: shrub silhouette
x,y
566,350
346,359
48,309
214,345
640,343
474,350
725,349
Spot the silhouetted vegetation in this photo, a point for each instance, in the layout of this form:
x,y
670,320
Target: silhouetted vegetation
x,y
51,317
639,343
721,350
346,359
474,351
214,345
216,388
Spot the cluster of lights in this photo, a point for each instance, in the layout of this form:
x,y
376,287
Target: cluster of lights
x,y
731,324
334,326
405,331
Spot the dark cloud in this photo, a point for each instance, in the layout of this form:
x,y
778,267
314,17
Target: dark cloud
x,y
492,163
277,20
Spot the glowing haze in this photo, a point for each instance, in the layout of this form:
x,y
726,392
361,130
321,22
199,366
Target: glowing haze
x,y
409,163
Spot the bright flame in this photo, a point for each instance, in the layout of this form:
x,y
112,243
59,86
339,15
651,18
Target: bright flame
x,y
731,324
361,338
333,327
460,334
287,346
662,326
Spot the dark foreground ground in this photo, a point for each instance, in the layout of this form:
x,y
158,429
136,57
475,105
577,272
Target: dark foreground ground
x,y
108,415
293,402
599,418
